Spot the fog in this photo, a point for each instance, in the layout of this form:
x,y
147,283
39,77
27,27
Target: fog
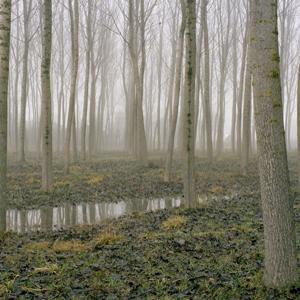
x,y
111,58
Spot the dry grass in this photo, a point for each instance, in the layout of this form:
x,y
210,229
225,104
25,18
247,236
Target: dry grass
x,y
95,179
106,238
49,269
174,222
62,182
217,190
70,246
38,246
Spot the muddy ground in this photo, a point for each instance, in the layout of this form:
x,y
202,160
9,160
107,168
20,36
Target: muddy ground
x,y
211,252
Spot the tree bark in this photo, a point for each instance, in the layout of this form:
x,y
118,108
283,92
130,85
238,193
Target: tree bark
x,y
246,138
46,96
5,21
189,103
298,125
277,201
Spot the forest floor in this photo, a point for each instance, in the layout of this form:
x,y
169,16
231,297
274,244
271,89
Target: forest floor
x,y
116,179
210,252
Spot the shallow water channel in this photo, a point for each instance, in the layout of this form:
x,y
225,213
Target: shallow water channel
x,y
69,215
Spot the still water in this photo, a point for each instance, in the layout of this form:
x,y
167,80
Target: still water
x,y
69,215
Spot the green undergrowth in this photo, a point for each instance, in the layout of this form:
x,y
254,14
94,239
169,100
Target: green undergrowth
x,y
210,253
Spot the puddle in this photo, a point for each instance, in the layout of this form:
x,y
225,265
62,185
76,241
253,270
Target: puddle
x,y
69,215
81,214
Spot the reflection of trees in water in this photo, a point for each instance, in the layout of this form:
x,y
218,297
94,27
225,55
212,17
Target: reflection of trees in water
x,y
92,209
84,214
74,215
23,221
88,213
46,218
2,219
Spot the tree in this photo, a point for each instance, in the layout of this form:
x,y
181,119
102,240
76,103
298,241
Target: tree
x,y
87,79
277,203
46,96
5,21
178,73
27,9
189,103
224,40
74,17
206,102
298,124
138,63
246,138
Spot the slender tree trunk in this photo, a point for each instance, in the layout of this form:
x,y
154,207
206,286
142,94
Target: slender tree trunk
x,y
159,80
206,102
46,96
234,82
74,16
246,139
92,128
5,21
142,143
178,73
298,124
189,103
240,95
16,86
277,201
86,84
60,114
27,13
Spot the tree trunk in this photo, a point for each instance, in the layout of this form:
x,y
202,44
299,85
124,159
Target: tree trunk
x,y
234,81
5,21
27,13
298,125
46,96
277,201
206,102
178,73
74,16
240,95
246,139
189,104
86,84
